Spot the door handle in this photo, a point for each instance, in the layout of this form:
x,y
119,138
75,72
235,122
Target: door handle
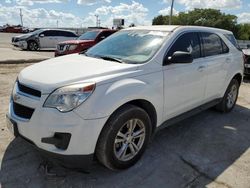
x,y
228,60
201,68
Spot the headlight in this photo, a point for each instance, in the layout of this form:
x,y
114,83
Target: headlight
x,y
72,47
67,98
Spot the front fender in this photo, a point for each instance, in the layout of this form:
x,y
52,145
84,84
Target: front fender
x,y
109,97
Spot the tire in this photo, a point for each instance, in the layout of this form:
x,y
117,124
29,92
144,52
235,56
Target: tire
x,y
230,97
33,46
119,155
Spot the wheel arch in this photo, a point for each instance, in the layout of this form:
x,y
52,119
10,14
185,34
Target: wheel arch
x,y
141,103
238,77
33,40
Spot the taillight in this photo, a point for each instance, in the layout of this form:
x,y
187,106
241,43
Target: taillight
x,y
244,58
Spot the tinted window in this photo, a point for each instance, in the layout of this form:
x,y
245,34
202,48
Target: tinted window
x,y
50,33
89,35
225,49
47,33
66,34
105,34
212,44
188,42
232,39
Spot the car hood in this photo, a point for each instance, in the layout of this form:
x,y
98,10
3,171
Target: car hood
x,y
76,41
24,36
57,72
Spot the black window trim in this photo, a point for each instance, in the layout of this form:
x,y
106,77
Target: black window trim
x,y
176,38
203,48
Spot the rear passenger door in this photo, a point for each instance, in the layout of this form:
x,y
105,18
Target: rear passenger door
x,y
217,58
184,84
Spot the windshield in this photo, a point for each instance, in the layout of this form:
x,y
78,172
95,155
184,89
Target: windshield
x,y
35,32
131,46
89,35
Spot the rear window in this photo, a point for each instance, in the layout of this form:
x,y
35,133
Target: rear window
x,y
232,39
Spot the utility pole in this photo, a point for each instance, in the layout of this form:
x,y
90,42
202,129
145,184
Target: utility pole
x,y
97,20
171,13
21,16
57,23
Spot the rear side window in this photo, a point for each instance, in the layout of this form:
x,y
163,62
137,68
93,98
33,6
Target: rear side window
x,y
232,39
213,44
188,42
68,34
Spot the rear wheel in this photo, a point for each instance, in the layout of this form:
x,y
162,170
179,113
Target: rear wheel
x,y
32,46
229,100
124,138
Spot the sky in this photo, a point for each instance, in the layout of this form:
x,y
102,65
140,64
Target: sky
x,y
81,13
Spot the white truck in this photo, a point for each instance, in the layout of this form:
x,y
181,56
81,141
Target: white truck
x,y
110,100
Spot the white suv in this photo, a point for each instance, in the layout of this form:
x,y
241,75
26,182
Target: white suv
x,y
109,101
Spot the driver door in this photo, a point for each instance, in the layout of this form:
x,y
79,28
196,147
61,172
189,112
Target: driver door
x,y
45,39
184,84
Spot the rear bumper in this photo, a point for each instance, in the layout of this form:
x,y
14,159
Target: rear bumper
x,y
247,71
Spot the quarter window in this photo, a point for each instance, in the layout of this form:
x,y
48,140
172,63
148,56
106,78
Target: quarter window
x,y
188,42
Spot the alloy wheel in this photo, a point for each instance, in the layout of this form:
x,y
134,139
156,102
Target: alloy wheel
x,y
129,140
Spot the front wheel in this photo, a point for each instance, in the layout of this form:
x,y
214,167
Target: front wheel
x,y
32,46
124,138
229,100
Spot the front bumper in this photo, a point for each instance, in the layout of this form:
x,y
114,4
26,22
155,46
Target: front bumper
x,y
44,123
69,161
20,44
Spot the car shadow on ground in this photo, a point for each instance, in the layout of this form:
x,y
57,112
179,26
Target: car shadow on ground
x,y
192,153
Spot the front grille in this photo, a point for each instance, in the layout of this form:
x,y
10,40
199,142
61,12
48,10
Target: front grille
x,y
60,47
28,90
22,111
15,39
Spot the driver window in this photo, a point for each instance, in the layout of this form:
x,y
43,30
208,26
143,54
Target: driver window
x,y
188,42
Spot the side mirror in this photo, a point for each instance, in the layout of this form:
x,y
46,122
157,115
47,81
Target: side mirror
x,y
180,57
102,37
41,35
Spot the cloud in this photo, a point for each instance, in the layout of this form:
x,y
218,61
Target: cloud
x,y
92,2
32,2
216,4
38,17
244,17
166,11
132,13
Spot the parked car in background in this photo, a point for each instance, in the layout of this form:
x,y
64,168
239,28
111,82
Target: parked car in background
x,y
109,101
42,38
246,53
84,42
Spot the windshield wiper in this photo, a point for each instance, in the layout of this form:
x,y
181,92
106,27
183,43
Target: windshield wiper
x,y
110,58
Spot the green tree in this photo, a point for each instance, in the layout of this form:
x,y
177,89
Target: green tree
x,y
201,17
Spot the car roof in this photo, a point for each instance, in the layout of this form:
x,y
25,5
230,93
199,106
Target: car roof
x,y
57,30
171,28
101,30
